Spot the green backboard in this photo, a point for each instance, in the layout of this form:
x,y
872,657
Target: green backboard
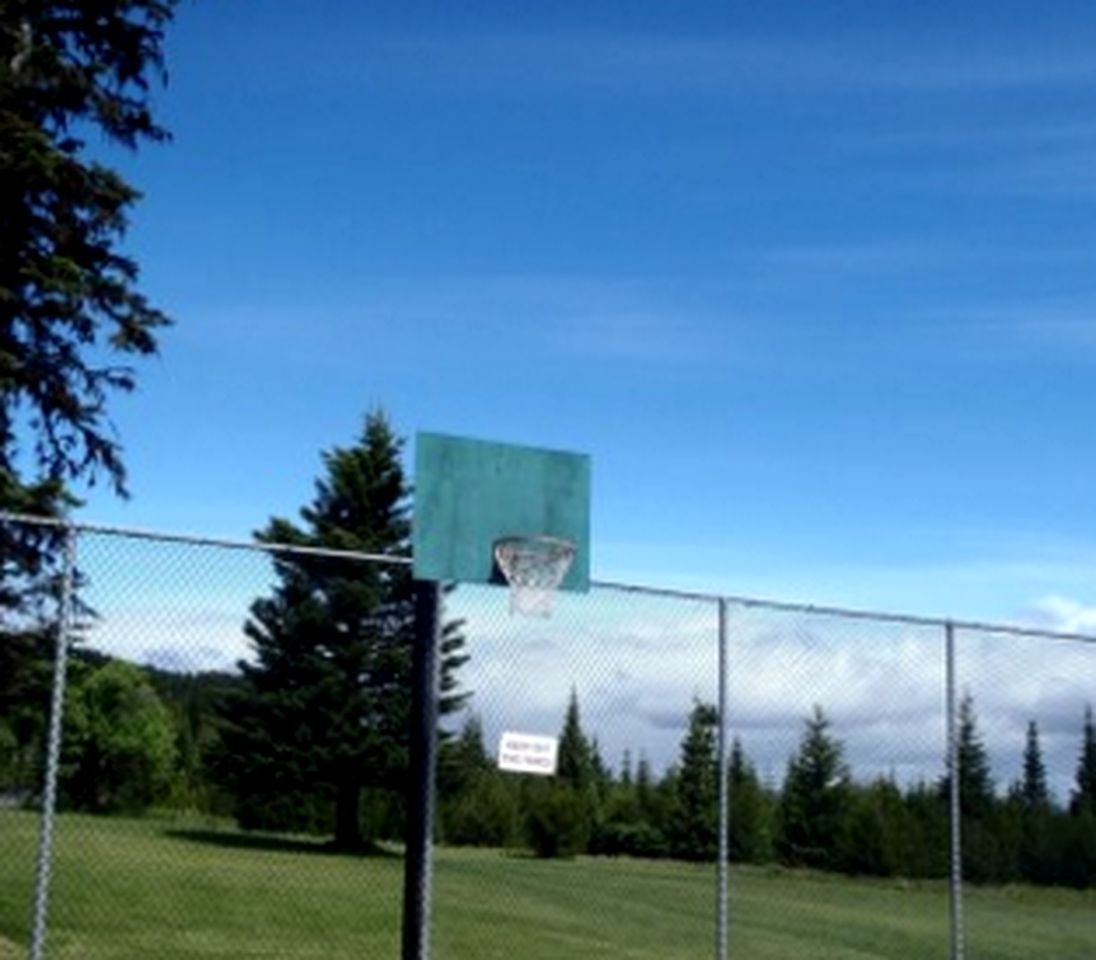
x,y
471,493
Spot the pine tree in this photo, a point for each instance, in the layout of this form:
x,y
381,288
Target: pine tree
x,y
1084,793
875,828
749,837
68,303
976,794
626,780
985,858
694,828
1033,792
575,759
647,797
565,812
479,807
453,655
602,775
1029,812
324,708
463,759
814,800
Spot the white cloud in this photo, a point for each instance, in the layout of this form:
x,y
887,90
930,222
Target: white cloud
x,y
182,640
1064,614
638,662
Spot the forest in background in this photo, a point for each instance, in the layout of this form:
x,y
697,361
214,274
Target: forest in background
x,y
138,739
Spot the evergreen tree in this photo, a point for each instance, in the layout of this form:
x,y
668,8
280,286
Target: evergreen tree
x,y
557,822
976,794
575,759
985,858
694,829
602,775
70,313
1033,792
815,798
925,836
750,840
462,761
876,827
626,770
479,807
451,651
1025,827
68,303
619,826
565,812
1084,793
632,819
645,786
324,708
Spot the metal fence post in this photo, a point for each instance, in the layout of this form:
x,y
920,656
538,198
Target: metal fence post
x,y
53,749
418,865
955,813
722,906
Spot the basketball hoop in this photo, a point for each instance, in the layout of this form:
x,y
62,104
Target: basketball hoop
x,y
534,567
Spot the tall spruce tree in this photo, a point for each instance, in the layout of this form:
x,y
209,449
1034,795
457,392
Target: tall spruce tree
x,y
1084,792
694,825
749,838
324,707
815,799
976,793
1034,793
646,790
463,759
1029,815
566,810
986,857
575,758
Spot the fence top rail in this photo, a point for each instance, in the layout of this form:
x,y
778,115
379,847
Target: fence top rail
x,y
134,533
757,603
850,613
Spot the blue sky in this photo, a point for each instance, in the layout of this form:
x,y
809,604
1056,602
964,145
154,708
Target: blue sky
x,y
812,283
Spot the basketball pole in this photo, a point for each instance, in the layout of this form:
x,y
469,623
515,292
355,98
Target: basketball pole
x,y
417,875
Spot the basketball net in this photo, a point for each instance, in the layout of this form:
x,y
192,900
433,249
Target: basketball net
x,y
534,567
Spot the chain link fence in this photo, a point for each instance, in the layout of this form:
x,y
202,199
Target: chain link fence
x,y
735,778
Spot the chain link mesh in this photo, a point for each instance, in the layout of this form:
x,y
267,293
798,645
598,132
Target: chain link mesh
x,y
1022,718
629,667
837,747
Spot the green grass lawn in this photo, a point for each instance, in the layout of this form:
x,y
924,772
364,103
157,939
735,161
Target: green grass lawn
x,y
172,890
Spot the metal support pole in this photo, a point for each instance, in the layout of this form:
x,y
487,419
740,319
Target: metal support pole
x,y
722,905
53,750
955,813
420,807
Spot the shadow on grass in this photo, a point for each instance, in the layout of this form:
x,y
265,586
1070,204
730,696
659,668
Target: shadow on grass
x,y
274,843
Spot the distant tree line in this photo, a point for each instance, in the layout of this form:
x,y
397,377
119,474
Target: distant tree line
x,y
137,737
819,817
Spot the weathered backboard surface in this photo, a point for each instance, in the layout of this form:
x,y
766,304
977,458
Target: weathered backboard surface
x,y
470,493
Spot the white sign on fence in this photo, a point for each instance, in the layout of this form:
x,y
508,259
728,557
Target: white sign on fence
x,y
528,753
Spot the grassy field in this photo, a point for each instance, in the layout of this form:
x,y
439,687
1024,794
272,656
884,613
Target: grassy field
x,y
170,890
